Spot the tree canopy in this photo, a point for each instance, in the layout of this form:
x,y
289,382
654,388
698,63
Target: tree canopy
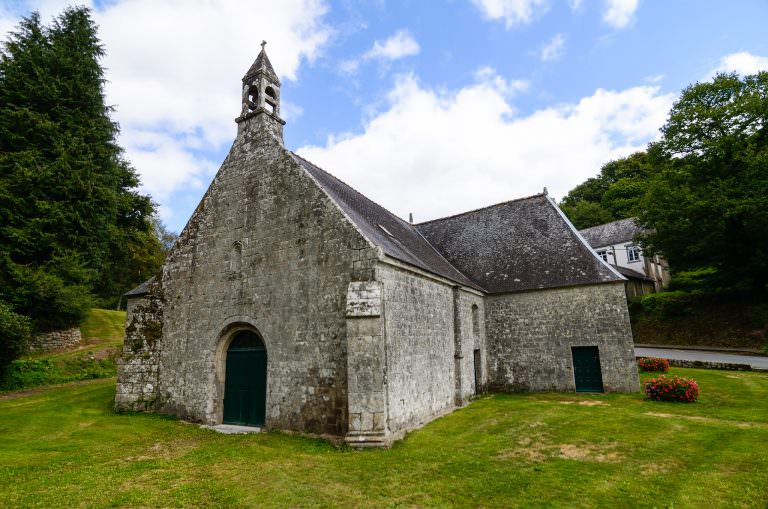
x,y
708,201
702,189
73,227
615,193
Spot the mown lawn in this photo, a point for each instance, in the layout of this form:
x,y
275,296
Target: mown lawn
x,y
95,357
64,447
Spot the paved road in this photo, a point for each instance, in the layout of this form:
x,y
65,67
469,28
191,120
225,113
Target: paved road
x,y
698,355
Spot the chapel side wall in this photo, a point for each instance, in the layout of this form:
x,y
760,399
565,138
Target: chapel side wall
x,y
267,249
419,324
530,335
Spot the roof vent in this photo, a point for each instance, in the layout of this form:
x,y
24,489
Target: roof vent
x,y
386,231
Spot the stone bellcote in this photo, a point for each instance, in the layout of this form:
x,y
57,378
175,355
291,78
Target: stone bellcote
x,y
261,99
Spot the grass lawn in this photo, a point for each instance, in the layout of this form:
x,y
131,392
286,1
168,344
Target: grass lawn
x,y
94,358
64,446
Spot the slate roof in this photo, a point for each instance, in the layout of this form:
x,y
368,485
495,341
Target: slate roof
x,y
398,238
262,63
140,290
518,245
630,273
608,234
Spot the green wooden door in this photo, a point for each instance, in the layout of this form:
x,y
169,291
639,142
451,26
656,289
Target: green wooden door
x,y
586,369
245,388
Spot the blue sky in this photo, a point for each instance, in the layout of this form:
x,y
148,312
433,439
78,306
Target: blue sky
x,y
427,107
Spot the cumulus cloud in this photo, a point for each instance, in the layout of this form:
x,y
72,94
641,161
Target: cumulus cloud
x,y
399,45
176,85
744,63
512,12
553,49
436,153
619,13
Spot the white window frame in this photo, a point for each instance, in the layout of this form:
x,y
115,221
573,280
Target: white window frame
x,y
633,250
603,253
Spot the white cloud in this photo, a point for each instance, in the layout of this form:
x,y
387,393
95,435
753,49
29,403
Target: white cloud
x,y
487,76
174,70
513,12
619,13
400,45
436,153
654,79
553,49
744,63
575,4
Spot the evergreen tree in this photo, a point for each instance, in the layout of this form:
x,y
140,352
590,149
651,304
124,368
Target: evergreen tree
x,y
70,215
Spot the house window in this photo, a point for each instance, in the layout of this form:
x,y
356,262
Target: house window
x,y
603,253
633,253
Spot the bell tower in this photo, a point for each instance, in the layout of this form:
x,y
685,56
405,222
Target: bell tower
x,y
261,97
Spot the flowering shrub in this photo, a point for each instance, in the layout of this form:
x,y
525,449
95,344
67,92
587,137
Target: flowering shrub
x,y
672,388
655,364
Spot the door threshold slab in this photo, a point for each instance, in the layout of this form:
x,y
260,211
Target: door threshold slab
x,y
232,429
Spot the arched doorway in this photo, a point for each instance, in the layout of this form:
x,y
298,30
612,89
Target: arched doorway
x,y
245,383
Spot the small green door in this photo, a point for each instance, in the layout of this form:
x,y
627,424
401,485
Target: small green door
x,y
245,388
586,369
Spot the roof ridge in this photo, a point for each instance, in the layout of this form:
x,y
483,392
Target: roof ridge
x,y
355,190
481,208
635,218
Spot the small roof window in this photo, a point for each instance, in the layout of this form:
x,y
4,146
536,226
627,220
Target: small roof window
x,y
386,231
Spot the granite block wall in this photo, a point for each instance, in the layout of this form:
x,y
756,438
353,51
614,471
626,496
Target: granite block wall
x,y
366,366
429,344
139,364
530,336
266,250
56,340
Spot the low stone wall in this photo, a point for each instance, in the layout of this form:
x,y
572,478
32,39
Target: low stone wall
x,y
728,366
56,340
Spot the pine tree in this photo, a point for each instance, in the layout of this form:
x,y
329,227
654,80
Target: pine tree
x,y
70,214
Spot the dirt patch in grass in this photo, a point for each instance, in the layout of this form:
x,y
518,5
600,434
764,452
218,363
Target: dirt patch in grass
x,y
599,453
537,446
585,403
711,420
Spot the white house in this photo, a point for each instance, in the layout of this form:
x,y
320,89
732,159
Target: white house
x,y
615,243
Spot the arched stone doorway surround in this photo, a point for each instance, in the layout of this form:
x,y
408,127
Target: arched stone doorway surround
x,y
229,331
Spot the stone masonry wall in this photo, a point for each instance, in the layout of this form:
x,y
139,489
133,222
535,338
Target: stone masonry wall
x,y
530,336
56,340
471,336
421,345
267,250
366,366
138,366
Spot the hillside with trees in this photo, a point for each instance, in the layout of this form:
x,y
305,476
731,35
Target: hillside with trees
x,y
74,230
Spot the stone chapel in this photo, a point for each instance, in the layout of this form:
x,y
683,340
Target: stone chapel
x,y
291,301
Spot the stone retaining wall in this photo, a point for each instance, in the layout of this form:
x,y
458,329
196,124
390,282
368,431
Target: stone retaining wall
x,y
56,340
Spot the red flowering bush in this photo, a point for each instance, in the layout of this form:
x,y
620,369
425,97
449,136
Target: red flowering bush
x,y
654,364
672,388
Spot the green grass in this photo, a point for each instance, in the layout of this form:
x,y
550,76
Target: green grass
x,y
65,447
94,358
